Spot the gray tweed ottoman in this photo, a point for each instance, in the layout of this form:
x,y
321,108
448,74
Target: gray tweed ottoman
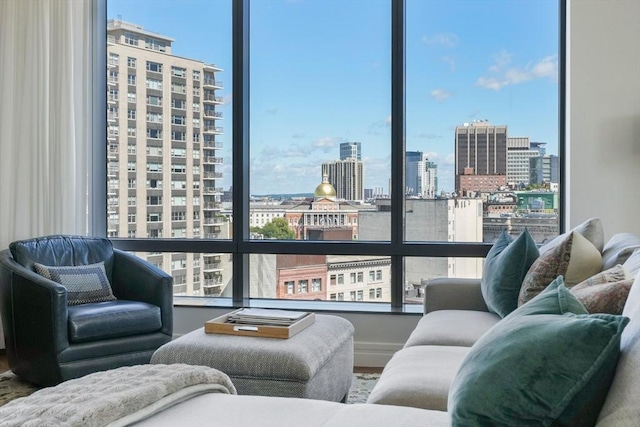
x,y
316,363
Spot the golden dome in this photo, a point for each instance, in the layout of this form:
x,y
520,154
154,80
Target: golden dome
x,y
325,190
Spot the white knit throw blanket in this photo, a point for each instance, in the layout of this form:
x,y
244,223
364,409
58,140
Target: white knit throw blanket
x,y
117,397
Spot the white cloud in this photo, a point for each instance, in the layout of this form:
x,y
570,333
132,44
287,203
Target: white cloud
x,y
380,126
326,143
440,94
428,135
449,60
441,39
501,73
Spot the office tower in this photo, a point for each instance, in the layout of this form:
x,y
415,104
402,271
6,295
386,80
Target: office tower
x,y
539,147
430,180
519,152
412,161
545,169
481,157
420,175
163,167
347,177
350,150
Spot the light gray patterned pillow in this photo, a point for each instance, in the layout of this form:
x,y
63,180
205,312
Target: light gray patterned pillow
x,y
84,283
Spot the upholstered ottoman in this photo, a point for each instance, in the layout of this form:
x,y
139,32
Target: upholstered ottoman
x,y
316,363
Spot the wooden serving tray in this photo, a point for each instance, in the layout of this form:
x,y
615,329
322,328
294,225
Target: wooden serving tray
x,y
219,325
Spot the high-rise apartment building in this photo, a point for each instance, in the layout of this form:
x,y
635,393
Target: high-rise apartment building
x,y
163,140
480,151
347,177
350,150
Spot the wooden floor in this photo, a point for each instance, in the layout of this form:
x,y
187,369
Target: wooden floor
x,y
4,366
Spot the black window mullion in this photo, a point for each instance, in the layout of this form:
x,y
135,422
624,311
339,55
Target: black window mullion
x,y
397,149
240,138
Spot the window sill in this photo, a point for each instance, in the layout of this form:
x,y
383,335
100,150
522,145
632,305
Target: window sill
x,y
315,306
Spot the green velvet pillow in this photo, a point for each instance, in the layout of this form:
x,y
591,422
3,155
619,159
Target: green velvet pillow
x,y
505,267
547,363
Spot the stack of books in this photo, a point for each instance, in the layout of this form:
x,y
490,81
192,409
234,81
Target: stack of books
x,y
263,316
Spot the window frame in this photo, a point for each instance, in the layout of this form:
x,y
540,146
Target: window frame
x,y
240,246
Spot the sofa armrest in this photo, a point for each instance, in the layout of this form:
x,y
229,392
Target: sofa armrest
x,y
137,279
453,294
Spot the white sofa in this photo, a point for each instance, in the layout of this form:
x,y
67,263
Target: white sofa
x,y
415,385
456,316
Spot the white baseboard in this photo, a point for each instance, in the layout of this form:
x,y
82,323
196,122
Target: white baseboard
x,y
374,354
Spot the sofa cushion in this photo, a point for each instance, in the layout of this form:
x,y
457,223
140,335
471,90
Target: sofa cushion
x,y
606,292
548,362
419,377
618,249
621,407
632,264
451,327
97,321
575,258
84,283
591,230
504,269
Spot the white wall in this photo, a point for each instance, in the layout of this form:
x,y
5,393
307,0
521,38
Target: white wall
x,y
603,150
604,113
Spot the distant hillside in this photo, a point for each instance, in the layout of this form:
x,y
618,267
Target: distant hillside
x,y
282,196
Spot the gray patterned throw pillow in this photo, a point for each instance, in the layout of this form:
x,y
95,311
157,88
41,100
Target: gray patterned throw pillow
x,y
84,283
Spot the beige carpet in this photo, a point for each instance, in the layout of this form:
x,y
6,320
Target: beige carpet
x,y
12,387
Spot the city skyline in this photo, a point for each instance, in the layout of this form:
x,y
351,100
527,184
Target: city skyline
x,y
309,94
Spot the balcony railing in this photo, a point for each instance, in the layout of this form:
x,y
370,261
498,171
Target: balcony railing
x,y
214,114
212,160
212,144
212,175
213,221
212,83
213,99
212,129
212,190
211,206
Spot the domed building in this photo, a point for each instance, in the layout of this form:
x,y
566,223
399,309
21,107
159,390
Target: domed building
x,y
324,190
324,217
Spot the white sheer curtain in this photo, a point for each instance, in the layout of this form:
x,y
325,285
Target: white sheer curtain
x,y
45,111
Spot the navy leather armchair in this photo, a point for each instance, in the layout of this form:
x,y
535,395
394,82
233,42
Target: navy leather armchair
x,y
49,341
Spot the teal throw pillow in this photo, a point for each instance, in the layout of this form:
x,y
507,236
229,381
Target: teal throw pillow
x,y
505,267
547,363
84,283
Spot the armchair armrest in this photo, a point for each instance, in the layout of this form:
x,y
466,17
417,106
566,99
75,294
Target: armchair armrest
x,y
136,279
34,314
453,294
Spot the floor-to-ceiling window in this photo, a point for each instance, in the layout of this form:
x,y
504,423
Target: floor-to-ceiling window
x,y
338,151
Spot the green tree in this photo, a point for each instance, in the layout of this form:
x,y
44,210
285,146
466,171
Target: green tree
x,y
278,229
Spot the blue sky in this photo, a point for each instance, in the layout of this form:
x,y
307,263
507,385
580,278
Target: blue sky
x,y
320,72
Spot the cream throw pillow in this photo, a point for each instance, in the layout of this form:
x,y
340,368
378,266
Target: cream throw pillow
x,y
591,229
575,258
